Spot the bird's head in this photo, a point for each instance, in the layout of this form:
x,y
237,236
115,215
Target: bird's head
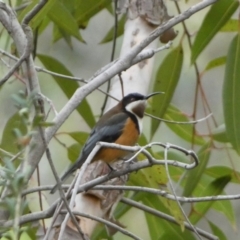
x,y
136,103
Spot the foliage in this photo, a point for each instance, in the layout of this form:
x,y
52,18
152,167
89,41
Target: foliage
x,y
219,134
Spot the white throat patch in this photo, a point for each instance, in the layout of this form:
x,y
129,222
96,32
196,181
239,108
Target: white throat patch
x,y
130,108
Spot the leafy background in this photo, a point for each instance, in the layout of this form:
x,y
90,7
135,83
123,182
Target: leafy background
x,y
215,51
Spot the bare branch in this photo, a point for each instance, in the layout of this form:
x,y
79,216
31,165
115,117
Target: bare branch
x,y
117,67
61,191
49,212
108,223
166,217
175,195
144,189
176,122
33,12
79,177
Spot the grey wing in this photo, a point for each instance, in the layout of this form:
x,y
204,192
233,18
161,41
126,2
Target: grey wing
x,y
111,131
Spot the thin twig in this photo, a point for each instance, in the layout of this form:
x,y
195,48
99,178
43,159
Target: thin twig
x,y
113,51
26,53
79,178
142,189
49,101
175,195
28,17
166,217
108,223
176,122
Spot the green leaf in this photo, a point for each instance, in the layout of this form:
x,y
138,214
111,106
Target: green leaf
x,y
75,149
71,5
217,62
37,19
182,130
177,235
194,175
8,141
217,16
43,25
226,208
156,225
219,134
214,188
220,171
159,227
66,21
80,137
217,231
149,177
68,87
87,9
231,99
166,81
230,26
73,152
59,33
154,177
109,36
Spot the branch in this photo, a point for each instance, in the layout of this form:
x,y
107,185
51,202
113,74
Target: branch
x,y
49,212
143,189
29,16
166,217
74,194
22,41
175,195
176,122
123,63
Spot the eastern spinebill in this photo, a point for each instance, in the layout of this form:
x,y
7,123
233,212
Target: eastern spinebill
x,y
122,125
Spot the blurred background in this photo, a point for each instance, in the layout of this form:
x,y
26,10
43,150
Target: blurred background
x,y
83,59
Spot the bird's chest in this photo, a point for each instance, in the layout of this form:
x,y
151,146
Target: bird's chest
x,y
129,137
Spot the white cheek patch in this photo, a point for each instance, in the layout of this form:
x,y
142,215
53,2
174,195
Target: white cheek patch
x,y
131,106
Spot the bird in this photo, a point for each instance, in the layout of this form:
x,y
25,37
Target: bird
x,y
122,125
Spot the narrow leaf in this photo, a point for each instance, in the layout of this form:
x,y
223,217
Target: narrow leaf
x,y
68,87
8,141
220,171
219,134
182,130
37,19
230,26
217,231
214,188
59,33
109,36
75,149
231,99
87,9
226,208
217,16
217,62
66,21
179,236
80,137
26,10
166,81
73,152
161,227
194,175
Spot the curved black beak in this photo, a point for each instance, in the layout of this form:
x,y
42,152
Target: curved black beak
x,y
152,94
